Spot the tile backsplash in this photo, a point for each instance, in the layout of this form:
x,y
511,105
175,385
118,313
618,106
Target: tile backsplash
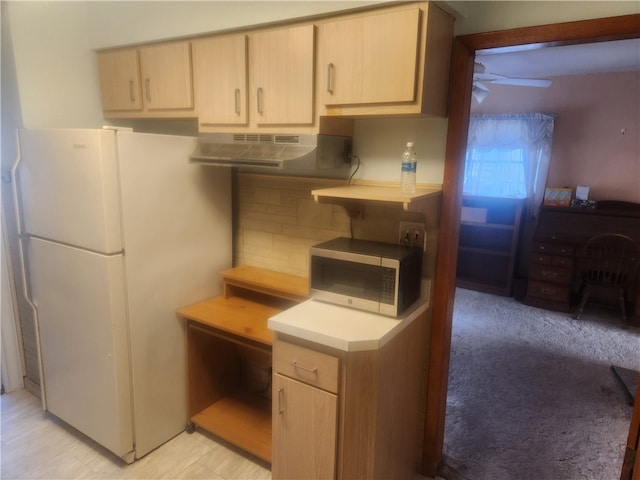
x,y
276,220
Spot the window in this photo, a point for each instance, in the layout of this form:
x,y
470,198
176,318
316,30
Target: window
x,y
495,172
508,156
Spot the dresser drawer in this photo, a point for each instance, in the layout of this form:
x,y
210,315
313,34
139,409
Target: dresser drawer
x,y
563,250
550,273
306,365
566,262
543,247
553,248
548,291
541,258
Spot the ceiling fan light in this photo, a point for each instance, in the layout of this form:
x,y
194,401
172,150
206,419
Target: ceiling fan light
x,y
479,92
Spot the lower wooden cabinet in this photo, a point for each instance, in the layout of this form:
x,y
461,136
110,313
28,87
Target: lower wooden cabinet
x,y
347,414
305,422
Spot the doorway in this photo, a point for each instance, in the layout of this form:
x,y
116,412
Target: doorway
x,y
465,49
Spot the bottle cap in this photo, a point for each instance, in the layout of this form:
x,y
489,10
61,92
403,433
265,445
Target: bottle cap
x,y
410,144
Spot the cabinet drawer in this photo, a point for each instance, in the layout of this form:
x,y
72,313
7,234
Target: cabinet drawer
x,y
548,291
308,366
550,273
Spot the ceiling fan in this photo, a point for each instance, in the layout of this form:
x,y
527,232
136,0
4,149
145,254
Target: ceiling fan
x,y
481,76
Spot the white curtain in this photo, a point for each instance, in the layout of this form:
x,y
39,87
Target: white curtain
x,y
530,134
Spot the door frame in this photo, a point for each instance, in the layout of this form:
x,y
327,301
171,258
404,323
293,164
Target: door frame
x,y
464,51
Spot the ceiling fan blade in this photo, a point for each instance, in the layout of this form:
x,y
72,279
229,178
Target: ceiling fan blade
x,y
481,76
522,82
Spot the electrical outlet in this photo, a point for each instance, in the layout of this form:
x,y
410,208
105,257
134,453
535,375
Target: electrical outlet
x,y
412,233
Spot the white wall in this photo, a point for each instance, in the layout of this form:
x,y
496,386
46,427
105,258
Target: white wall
x,y
488,16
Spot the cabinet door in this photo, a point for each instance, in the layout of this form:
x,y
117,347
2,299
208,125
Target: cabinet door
x,y
119,74
220,79
304,431
370,59
282,70
166,76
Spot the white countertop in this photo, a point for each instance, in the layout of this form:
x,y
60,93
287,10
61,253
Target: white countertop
x,y
340,327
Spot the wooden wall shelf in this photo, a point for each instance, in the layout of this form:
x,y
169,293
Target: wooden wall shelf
x,y
351,196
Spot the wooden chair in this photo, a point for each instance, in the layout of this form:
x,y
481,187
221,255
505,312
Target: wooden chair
x,y
608,263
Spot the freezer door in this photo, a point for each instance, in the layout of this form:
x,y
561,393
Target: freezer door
x,y
68,183
80,300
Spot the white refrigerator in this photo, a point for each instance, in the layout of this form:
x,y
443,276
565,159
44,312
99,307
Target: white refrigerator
x,y
118,231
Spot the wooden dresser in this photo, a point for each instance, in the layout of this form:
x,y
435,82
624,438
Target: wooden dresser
x,y
558,238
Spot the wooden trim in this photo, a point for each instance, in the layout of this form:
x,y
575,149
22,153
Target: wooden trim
x,y
465,48
444,287
631,462
557,34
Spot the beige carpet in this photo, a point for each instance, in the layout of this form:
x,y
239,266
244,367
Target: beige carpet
x,y
532,394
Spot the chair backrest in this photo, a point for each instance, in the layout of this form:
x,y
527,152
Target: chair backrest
x,y
610,259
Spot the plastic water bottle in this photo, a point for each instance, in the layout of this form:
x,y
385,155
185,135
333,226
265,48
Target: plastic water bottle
x,y
408,175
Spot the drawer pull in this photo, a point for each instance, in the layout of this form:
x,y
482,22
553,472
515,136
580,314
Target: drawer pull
x,y
549,274
548,291
295,364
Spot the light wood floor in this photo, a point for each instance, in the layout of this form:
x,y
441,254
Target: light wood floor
x,y
36,445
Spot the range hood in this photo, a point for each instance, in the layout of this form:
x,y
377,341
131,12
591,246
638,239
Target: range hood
x,y
326,155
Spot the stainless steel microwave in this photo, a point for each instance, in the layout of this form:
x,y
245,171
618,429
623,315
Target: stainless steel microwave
x,y
373,276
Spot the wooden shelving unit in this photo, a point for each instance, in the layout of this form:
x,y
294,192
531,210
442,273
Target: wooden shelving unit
x,y
242,420
226,333
488,244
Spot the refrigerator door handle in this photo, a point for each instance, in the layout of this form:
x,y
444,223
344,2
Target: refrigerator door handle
x,y
26,290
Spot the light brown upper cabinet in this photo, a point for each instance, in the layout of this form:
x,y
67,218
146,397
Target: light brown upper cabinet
x,y
149,81
119,72
387,61
281,75
166,73
260,79
220,79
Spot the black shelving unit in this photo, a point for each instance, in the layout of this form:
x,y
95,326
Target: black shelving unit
x,y
489,233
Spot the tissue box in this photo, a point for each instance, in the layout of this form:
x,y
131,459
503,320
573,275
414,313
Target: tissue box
x,y
557,196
